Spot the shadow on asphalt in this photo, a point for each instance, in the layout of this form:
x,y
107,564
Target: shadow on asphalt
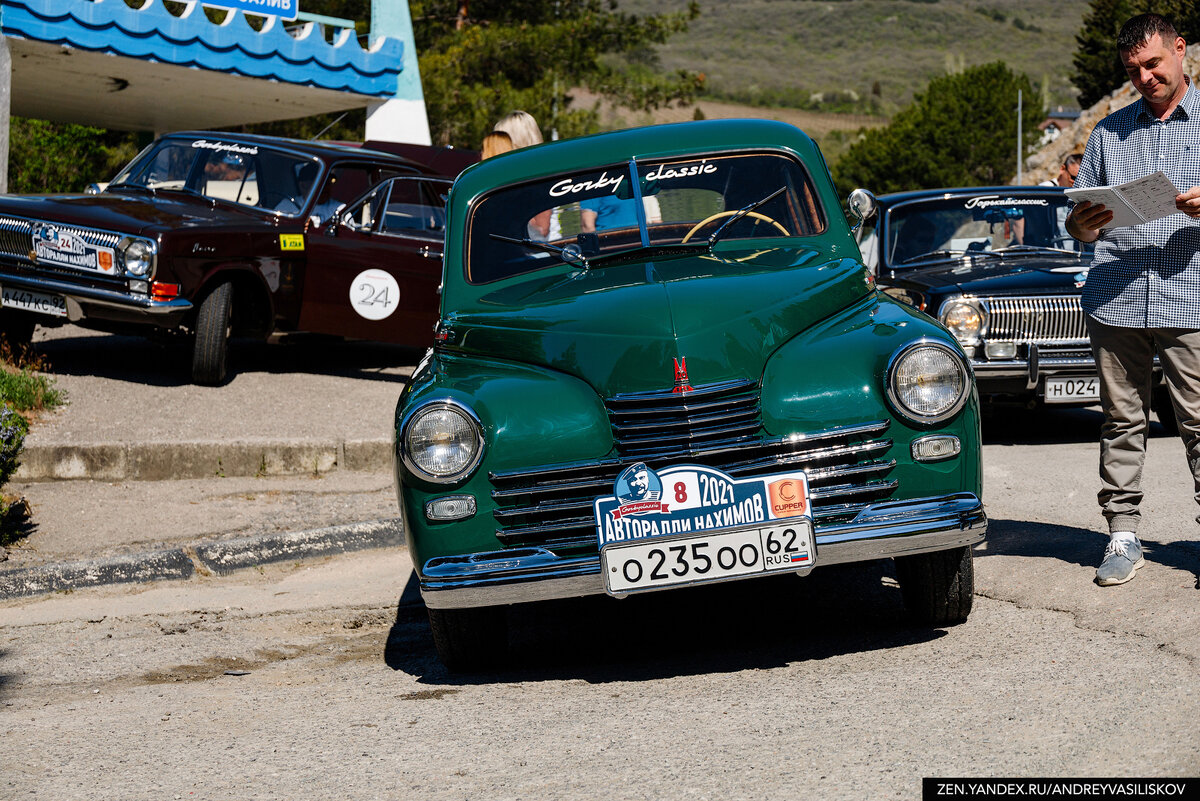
x,y
1078,546
168,363
1048,425
751,625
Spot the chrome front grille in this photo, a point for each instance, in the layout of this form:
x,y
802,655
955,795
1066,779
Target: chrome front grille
x,y
847,466
16,236
646,424
1037,320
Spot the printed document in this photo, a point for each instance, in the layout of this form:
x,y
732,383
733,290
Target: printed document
x,y
1139,201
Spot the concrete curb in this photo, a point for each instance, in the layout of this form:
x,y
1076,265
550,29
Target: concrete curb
x,y
219,558
156,461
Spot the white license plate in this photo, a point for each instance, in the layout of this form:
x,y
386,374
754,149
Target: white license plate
x,y
666,562
40,302
1073,390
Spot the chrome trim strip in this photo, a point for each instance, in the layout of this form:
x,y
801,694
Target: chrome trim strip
x,y
521,575
85,295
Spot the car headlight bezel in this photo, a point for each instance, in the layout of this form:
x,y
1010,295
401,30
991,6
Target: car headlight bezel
x,y
962,332
138,257
412,458
896,395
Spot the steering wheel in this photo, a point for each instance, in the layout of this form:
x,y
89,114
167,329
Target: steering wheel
x,y
721,214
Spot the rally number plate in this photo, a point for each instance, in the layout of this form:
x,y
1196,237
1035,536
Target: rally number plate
x,y
1073,390
40,302
664,562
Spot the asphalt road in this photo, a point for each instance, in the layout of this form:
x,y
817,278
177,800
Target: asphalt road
x,y
769,689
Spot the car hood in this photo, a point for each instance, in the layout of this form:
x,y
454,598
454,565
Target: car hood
x,y
1005,275
623,328
128,212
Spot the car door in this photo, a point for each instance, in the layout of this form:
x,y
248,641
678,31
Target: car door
x,y
373,271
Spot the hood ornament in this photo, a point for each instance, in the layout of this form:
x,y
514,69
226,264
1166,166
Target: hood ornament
x,y
681,376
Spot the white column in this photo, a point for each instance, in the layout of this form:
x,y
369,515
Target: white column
x,y
5,107
403,117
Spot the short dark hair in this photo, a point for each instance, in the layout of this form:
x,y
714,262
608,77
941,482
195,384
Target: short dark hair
x,y
1074,158
1143,27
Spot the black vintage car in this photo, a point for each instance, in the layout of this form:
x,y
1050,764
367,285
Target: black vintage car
x,y
996,266
208,234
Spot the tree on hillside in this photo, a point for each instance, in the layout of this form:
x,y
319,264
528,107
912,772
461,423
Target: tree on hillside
x,y
961,131
1098,69
59,157
483,59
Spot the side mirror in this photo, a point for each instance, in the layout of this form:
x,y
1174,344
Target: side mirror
x,y
862,205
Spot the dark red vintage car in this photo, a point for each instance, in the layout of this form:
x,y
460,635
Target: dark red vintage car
x,y
210,235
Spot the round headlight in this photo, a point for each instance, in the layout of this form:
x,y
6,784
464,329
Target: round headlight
x,y
139,258
442,442
928,382
965,320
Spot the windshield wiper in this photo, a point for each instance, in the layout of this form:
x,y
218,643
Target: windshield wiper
x,y
1034,249
933,254
742,212
570,254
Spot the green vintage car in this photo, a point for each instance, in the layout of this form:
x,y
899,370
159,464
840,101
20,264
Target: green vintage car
x,y
660,362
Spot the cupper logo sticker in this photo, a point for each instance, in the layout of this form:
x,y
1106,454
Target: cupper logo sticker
x,y
694,498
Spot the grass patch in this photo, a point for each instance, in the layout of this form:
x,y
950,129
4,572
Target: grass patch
x,y
22,383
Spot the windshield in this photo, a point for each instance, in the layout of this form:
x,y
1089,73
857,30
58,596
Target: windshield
x,y
595,213
246,174
976,223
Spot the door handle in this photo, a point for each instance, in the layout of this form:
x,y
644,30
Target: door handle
x,y
430,254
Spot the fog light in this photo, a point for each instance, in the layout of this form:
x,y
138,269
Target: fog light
x,y
452,507
935,448
1001,350
141,287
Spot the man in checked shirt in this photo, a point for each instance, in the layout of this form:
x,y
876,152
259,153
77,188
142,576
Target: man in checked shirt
x,y
1143,290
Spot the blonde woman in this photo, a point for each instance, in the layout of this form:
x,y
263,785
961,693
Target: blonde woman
x,y
523,130
495,143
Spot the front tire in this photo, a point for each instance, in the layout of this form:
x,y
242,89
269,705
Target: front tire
x,y
469,639
16,332
939,587
211,346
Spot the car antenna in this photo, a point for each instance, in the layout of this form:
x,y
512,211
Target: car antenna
x,y
330,125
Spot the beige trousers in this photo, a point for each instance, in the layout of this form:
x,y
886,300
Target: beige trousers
x,y
1125,358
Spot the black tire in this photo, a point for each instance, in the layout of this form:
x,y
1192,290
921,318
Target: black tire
x,y
939,587
470,639
211,346
16,331
1161,401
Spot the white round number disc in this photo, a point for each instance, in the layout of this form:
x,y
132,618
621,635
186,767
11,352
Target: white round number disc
x,y
374,294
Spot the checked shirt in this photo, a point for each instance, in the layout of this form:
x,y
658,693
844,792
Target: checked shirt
x,y
1146,276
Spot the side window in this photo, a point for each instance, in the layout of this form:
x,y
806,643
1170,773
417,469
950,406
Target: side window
x,y
345,183
414,208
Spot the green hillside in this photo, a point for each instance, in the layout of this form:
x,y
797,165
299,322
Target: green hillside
x,y
860,53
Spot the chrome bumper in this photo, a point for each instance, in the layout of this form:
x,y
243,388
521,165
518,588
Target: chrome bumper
x,y
519,575
80,297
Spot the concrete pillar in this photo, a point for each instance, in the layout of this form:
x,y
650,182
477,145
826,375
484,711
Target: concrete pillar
x,y
5,106
403,117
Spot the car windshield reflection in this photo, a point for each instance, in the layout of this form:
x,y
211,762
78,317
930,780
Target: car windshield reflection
x,y
245,174
596,215
976,225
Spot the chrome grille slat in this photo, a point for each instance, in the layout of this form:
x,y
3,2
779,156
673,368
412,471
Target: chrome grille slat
x,y
16,236
1036,319
717,426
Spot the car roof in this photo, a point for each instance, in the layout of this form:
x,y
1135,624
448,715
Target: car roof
x,y
320,149
676,139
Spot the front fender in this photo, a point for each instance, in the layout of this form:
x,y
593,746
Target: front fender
x,y
530,415
805,388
